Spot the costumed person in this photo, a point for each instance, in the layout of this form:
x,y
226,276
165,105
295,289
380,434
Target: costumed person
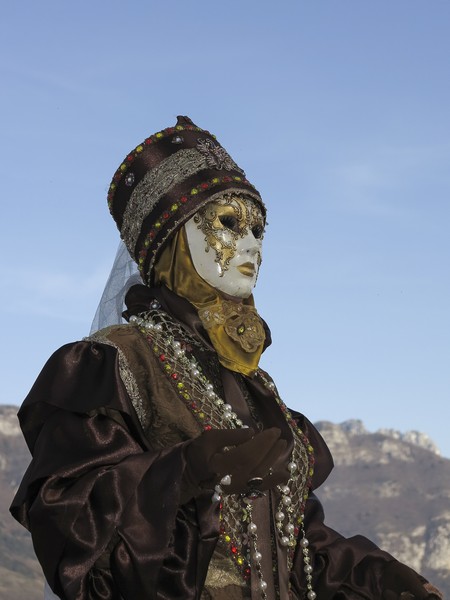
x,y
165,465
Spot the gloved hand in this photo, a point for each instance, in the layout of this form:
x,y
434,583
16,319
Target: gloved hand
x,y
402,583
259,458
240,453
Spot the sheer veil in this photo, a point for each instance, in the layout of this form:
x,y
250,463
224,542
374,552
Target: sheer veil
x,y
48,594
124,274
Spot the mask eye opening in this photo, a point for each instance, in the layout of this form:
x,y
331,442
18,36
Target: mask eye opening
x,y
229,222
258,231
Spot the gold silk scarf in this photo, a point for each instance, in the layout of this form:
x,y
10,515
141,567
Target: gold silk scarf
x,y
234,326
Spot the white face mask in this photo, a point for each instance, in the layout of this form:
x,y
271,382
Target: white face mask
x,y
225,239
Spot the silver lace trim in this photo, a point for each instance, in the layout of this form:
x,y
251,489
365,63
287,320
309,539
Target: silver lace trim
x,y
216,156
155,184
126,375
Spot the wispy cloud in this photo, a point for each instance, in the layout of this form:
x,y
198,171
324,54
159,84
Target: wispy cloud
x,y
382,183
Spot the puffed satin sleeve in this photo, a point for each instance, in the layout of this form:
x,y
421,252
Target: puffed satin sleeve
x,y
345,568
102,507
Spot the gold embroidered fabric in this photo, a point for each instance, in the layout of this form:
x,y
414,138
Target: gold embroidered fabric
x,y
222,572
234,328
240,321
230,592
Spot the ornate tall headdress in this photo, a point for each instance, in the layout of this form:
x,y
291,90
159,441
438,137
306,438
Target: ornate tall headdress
x,y
164,181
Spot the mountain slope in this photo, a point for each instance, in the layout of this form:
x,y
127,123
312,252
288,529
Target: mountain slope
x,y
394,492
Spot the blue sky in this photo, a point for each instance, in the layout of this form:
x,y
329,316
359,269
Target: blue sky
x,y
338,111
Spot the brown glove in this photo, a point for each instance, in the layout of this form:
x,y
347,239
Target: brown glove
x,y
257,459
235,452
402,583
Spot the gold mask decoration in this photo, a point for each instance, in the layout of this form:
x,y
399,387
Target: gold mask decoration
x,y
224,221
235,329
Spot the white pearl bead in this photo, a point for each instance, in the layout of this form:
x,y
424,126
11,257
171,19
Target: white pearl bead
x,y
252,528
133,319
210,394
289,528
287,500
304,543
263,585
218,489
158,327
279,516
226,480
195,372
292,466
285,540
308,569
176,344
257,556
215,497
311,595
226,407
285,490
179,352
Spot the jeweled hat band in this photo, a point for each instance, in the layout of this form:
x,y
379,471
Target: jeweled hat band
x,y
164,181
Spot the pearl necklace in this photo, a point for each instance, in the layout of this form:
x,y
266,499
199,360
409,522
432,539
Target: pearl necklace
x,y
154,330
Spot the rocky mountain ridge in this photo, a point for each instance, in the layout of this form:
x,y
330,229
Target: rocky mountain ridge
x,y
417,438
9,424
392,487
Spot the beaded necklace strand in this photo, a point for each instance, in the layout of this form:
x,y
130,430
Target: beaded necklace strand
x,y
198,394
